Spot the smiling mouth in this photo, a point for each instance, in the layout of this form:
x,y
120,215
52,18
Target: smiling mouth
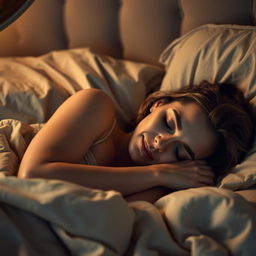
x,y
146,150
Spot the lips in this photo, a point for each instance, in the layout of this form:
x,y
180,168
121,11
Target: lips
x,y
146,149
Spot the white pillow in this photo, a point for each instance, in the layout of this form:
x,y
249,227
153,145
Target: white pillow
x,y
217,53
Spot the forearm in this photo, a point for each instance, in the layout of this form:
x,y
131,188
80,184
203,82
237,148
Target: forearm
x,y
126,180
150,195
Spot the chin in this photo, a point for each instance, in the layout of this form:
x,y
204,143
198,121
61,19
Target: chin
x,y
136,159
136,155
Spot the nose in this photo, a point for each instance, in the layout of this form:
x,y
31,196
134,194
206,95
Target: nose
x,y
162,141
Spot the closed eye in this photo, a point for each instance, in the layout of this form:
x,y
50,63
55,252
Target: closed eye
x,y
177,155
169,124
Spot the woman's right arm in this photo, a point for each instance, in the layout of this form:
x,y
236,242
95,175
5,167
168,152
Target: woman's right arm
x,y
60,145
55,151
185,174
128,180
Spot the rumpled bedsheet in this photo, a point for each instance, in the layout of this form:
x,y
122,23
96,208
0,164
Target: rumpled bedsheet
x,y
31,88
51,217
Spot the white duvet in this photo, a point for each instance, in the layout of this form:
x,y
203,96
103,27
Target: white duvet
x,y
42,217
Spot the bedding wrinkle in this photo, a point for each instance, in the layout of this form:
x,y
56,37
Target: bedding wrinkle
x,y
221,227
82,219
206,245
47,81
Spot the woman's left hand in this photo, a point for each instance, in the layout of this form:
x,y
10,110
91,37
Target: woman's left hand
x,y
184,174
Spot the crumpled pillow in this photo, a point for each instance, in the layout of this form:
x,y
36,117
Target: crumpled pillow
x,y
14,139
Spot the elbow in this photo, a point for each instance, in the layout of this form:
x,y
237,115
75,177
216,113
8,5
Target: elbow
x,y
29,172
25,174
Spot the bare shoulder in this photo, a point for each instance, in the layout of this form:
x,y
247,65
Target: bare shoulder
x,y
89,109
95,94
77,123
87,105
95,98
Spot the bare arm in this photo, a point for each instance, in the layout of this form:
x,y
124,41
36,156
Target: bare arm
x,y
137,183
56,150
150,195
127,180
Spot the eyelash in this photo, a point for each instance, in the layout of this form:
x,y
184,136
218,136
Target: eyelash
x,y
168,125
177,154
172,130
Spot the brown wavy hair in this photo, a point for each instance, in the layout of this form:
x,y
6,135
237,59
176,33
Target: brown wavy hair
x,y
229,113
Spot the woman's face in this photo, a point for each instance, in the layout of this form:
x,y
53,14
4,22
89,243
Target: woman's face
x,y
172,132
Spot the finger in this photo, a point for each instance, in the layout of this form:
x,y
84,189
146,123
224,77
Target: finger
x,y
184,162
206,168
199,163
206,180
205,165
200,166
204,162
206,172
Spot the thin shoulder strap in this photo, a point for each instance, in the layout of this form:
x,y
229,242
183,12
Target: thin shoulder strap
x,y
100,140
89,158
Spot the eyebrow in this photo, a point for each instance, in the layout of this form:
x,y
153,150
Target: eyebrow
x,y
179,125
178,119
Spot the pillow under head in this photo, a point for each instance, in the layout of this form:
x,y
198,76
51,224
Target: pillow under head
x,y
218,54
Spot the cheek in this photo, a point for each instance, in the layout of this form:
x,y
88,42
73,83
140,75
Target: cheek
x,y
150,122
205,148
211,146
132,142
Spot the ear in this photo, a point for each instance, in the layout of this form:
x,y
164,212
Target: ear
x,y
157,104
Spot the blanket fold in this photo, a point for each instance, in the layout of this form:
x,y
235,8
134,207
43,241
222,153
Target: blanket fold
x,y
73,220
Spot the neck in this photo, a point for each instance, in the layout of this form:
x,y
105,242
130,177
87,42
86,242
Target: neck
x,y
121,141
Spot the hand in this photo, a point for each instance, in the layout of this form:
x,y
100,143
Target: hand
x,y
185,174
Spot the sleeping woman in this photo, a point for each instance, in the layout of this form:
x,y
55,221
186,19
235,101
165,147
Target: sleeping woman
x,y
182,139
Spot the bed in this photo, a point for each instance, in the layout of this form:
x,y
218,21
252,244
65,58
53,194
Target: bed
x,y
128,49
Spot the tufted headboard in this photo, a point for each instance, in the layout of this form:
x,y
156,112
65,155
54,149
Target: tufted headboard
x,y
137,30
